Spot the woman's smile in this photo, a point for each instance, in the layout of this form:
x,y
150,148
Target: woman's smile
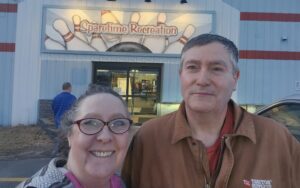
x,y
102,154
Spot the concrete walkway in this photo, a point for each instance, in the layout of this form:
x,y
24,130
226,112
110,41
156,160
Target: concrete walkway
x,y
12,172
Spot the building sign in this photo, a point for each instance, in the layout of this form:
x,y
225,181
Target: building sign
x,y
121,31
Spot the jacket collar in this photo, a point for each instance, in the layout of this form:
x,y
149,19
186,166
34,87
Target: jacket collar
x,y
243,124
181,127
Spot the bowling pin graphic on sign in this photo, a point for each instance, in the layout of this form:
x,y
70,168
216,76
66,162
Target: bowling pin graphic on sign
x,y
135,18
76,21
108,17
98,43
72,42
176,46
51,44
157,44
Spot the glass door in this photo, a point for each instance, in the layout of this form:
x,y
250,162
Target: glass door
x,y
117,79
143,98
138,85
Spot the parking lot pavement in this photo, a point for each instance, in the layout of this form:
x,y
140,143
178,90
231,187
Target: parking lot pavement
x,y
12,172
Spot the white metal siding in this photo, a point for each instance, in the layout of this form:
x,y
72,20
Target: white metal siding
x,y
6,70
7,35
171,86
259,35
8,26
56,72
290,6
263,81
27,63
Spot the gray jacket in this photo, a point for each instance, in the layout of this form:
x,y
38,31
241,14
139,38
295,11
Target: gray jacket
x,y
51,175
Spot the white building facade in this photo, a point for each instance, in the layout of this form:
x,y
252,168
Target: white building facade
x,y
134,46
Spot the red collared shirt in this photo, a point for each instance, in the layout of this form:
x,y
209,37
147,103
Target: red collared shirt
x,y
214,151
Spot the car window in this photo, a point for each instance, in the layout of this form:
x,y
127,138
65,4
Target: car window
x,y
288,114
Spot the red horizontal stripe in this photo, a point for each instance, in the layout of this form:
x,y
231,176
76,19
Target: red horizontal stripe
x,y
277,17
276,55
7,47
8,7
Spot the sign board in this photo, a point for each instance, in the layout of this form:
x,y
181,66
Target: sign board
x,y
103,30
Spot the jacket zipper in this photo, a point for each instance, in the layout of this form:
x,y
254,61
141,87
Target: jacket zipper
x,y
207,185
214,178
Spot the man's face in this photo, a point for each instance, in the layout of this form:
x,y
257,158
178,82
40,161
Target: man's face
x,y
207,78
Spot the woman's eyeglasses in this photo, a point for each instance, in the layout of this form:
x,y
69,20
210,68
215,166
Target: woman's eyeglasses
x,y
90,126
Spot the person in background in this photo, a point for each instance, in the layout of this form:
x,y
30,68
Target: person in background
x,y
210,141
62,102
97,129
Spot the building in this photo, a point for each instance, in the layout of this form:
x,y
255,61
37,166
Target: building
x,y
134,46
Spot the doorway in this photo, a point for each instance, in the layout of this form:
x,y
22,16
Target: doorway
x,y
137,83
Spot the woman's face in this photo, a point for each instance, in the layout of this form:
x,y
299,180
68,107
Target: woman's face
x,y
101,154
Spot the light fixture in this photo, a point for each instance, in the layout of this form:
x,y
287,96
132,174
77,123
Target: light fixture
x,y
147,1
183,1
111,0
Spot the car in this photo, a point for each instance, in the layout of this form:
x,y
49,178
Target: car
x,y
285,111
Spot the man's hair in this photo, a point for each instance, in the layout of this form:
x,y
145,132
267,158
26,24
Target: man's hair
x,y
205,39
66,85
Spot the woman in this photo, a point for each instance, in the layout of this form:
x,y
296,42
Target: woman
x,y
97,132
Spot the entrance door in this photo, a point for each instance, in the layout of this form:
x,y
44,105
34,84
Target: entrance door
x,y
138,84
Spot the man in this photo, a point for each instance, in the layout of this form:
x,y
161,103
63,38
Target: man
x,y
210,141
62,102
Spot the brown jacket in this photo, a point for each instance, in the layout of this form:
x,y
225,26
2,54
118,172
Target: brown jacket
x,y
261,153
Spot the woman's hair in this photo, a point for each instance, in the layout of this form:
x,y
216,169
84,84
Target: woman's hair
x,y
69,116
